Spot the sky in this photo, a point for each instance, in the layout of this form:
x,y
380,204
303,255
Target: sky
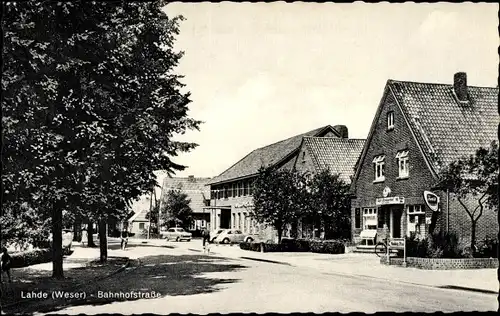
x,y
259,73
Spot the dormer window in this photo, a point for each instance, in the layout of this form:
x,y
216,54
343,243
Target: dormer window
x,y
403,167
390,121
379,167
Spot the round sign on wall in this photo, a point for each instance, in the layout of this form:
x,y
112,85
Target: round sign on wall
x,y
386,191
432,200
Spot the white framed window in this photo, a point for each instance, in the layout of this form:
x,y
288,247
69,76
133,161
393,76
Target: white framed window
x,y
379,167
390,121
370,218
416,220
403,166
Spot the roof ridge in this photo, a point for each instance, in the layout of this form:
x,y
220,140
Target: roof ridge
x,y
301,134
436,83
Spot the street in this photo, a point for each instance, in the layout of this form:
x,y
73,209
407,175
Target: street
x,y
190,282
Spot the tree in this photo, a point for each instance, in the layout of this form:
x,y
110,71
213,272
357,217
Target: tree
x,y
177,210
474,178
278,197
330,203
91,104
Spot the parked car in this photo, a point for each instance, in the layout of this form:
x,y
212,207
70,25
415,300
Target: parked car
x,y
177,234
214,233
252,238
230,236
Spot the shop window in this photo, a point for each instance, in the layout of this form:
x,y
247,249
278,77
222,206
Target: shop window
x,y
370,218
357,218
235,189
240,189
379,167
403,167
416,220
226,192
230,191
390,121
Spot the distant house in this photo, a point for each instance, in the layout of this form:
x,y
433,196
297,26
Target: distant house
x,y
138,223
197,191
418,129
231,192
338,155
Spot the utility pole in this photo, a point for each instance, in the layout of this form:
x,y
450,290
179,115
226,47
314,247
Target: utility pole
x,y
158,214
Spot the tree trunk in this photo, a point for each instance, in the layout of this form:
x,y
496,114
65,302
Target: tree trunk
x,y
473,238
103,241
57,251
90,235
280,233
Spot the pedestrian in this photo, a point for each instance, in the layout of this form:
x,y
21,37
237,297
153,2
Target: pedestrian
x,y
85,237
124,237
205,235
5,263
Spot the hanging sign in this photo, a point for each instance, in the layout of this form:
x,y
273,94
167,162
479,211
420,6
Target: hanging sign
x,y
397,243
390,200
432,200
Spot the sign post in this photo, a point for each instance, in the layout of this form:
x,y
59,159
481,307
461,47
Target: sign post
x,y
404,253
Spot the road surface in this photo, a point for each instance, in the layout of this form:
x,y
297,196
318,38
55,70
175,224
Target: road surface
x,y
190,282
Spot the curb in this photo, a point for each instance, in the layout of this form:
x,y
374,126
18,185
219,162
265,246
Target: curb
x,y
268,261
78,285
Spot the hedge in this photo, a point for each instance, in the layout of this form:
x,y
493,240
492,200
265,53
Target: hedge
x,y
298,245
31,257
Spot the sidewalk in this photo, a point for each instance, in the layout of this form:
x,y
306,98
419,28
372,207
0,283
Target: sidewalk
x,y
80,268
368,265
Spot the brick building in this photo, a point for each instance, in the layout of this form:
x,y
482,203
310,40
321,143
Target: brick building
x,y
338,155
231,192
419,128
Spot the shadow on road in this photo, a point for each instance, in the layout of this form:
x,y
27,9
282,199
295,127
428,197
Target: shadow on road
x,y
157,276
118,246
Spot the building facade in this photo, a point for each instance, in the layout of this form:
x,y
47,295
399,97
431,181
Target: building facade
x,y
197,192
231,202
418,129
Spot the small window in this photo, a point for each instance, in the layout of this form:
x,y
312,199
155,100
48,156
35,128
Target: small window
x,y
141,225
225,192
250,187
240,188
238,232
390,121
245,189
230,191
379,167
403,167
171,230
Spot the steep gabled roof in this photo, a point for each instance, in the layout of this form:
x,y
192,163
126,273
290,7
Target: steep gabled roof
x,y
194,188
139,216
339,155
270,155
443,128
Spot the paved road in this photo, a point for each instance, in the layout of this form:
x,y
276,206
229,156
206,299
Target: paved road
x,y
190,282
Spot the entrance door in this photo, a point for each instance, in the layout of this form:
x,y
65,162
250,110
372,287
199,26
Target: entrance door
x,y
225,218
397,212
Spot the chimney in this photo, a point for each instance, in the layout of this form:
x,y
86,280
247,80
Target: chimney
x,y
460,86
191,178
342,129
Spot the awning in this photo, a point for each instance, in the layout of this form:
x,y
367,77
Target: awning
x,y
378,159
368,233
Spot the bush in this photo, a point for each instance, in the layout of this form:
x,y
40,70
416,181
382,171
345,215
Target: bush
x,y
27,258
250,246
487,248
416,248
327,246
296,245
